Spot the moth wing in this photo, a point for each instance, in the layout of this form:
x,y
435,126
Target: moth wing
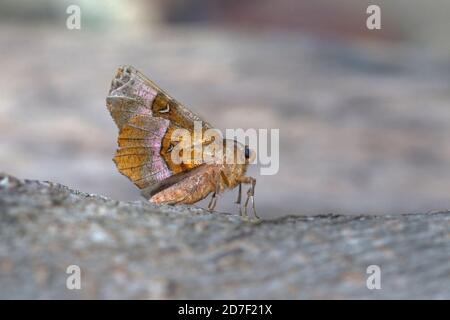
x,y
146,116
138,156
132,94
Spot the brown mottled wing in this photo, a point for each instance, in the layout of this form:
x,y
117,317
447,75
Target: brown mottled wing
x,y
146,116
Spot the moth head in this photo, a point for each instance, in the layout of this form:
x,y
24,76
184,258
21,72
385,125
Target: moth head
x,y
238,153
249,154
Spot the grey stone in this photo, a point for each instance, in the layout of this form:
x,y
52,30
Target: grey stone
x,y
139,250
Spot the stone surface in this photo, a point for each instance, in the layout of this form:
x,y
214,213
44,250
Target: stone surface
x,y
138,250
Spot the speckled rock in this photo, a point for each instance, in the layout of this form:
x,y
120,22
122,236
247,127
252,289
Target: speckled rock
x,y
139,250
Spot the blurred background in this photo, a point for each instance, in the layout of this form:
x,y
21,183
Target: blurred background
x,y
364,115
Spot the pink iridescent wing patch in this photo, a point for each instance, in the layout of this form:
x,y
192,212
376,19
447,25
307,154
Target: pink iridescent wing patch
x,y
146,117
138,157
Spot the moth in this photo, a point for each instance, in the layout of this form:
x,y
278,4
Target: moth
x,y
147,118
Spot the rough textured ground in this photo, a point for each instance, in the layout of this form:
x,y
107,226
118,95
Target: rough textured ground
x,y
138,250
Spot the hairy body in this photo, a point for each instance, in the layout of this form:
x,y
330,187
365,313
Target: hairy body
x,y
205,179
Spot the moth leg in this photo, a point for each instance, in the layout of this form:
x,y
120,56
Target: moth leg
x,y
250,195
213,201
239,199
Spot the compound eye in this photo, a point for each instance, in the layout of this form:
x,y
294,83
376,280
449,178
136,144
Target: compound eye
x,y
247,152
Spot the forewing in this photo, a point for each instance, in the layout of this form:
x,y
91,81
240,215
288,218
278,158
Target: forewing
x,y
146,116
